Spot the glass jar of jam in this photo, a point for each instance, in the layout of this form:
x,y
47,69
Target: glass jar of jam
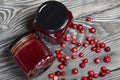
x,y
32,55
52,20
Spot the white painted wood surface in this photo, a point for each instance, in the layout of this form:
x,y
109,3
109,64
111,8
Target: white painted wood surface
x,y
16,17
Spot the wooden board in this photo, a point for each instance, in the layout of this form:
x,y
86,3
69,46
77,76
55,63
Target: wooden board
x,y
16,17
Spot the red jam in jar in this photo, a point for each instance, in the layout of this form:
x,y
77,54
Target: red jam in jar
x,y
32,55
52,20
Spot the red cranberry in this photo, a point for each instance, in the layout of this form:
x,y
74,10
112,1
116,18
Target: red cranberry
x,y
85,60
63,73
84,78
63,79
61,59
82,31
95,75
74,79
91,73
92,30
107,71
97,60
107,49
67,38
79,27
89,78
85,45
88,19
82,65
61,52
58,56
61,66
67,58
74,37
103,68
88,38
102,74
102,45
75,71
74,49
93,48
51,75
98,50
107,59
81,54
74,56
97,45
78,44
63,44
65,63
73,41
74,26
57,73
95,40
57,51
91,42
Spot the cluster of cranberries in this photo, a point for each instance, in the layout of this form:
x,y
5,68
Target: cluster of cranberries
x,y
96,46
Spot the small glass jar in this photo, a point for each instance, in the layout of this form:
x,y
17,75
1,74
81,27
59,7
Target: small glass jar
x,y
52,20
32,55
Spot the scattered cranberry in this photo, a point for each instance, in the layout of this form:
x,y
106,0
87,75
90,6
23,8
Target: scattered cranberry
x,y
88,38
107,71
65,63
92,30
63,79
67,58
82,65
63,73
78,44
88,19
61,59
107,59
97,60
74,56
79,27
82,31
61,66
84,78
102,45
91,73
51,75
75,71
85,45
107,49
73,41
98,50
58,56
74,36
81,54
91,42
56,51
74,79
57,73
61,52
93,48
95,40
67,38
95,75
102,74
74,49
74,26
97,45
103,68
63,44
89,78
85,60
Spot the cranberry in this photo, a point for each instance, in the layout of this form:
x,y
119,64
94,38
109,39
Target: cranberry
x,y
74,79
74,56
75,71
102,74
89,78
97,60
91,42
93,48
91,73
103,68
65,63
78,44
81,54
63,44
85,60
61,52
82,65
95,40
107,49
92,30
84,78
67,38
73,41
58,56
74,49
74,37
57,51
63,73
107,71
88,38
63,79
107,59
98,50
95,75
102,45
74,26
88,19
61,59
57,73
51,75
97,45
85,45
82,31
79,27
67,58
61,66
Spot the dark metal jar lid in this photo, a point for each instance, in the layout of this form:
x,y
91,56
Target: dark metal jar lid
x,y
52,16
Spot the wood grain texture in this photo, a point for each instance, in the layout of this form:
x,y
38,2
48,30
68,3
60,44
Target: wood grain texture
x,y
16,17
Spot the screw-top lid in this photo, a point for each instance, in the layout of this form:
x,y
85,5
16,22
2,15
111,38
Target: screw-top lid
x,y
52,16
